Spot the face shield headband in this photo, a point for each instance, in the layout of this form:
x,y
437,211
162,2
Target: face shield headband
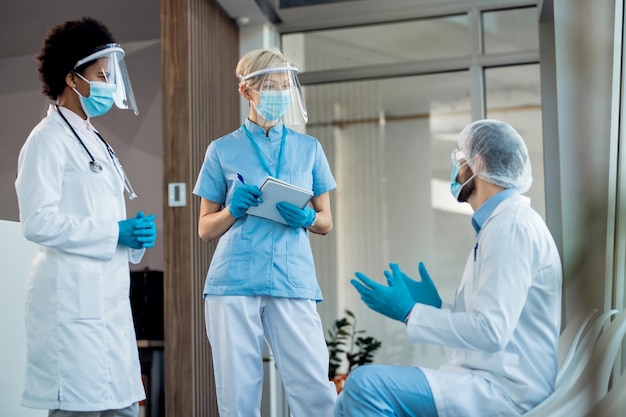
x,y
280,96
110,59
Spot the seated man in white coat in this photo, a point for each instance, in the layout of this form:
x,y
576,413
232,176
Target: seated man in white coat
x,y
501,331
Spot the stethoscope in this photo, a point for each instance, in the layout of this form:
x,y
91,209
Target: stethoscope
x,y
95,166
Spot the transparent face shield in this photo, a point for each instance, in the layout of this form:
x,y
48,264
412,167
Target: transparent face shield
x,y
110,59
276,94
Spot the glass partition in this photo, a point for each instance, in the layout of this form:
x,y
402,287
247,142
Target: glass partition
x,y
390,43
390,142
512,30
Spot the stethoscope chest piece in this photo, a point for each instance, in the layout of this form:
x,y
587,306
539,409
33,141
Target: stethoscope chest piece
x,y
95,166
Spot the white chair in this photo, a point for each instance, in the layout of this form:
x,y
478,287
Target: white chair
x,y
577,397
575,360
578,356
570,338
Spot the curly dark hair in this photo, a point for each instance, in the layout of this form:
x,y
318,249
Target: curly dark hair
x,y
64,45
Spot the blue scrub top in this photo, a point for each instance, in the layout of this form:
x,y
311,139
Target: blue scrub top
x,y
257,256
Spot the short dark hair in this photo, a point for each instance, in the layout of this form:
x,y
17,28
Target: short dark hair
x,y
64,45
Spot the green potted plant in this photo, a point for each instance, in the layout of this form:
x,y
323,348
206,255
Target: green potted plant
x,y
347,341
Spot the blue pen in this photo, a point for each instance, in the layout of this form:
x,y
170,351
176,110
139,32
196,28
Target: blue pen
x,y
240,178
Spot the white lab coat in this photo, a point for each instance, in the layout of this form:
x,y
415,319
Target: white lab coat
x,y
501,332
81,348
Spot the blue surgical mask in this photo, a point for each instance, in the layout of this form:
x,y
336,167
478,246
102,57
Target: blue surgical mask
x,y
455,186
273,104
100,98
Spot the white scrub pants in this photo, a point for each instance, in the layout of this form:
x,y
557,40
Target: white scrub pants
x,y
384,390
236,328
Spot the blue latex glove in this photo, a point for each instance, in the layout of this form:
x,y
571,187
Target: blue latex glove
x,y
146,235
423,291
295,216
244,196
394,301
137,232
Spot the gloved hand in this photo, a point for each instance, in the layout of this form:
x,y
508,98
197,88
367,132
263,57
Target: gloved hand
x,y
295,216
138,232
244,196
146,235
423,291
394,301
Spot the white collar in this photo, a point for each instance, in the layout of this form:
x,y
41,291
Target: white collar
x,y
75,120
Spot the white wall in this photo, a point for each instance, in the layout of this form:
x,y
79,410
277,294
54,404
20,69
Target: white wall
x,y
15,256
583,42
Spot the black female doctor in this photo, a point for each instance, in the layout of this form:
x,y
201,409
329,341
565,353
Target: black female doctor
x,y
81,347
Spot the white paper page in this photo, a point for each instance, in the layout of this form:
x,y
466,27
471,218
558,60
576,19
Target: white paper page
x,y
276,191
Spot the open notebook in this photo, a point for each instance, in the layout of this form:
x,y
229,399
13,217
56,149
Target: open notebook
x,y
274,191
